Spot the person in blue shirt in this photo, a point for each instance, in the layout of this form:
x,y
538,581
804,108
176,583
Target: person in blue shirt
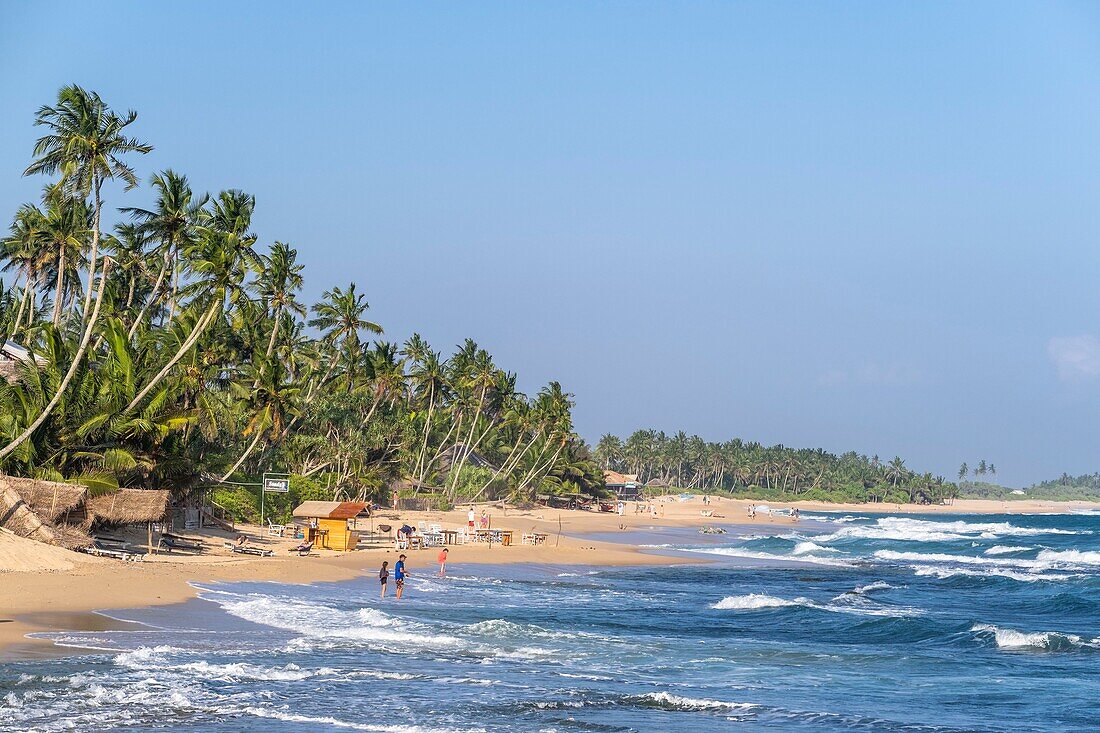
x,y
399,575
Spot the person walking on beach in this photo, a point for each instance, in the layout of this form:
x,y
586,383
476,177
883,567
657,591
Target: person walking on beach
x,y
399,576
443,562
384,576
470,517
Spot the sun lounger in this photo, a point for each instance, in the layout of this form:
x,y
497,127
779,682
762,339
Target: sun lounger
x,y
257,551
101,548
170,542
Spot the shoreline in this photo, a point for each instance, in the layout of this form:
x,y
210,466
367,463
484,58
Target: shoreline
x,y
68,595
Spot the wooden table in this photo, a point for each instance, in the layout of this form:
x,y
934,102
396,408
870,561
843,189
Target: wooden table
x,y
450,536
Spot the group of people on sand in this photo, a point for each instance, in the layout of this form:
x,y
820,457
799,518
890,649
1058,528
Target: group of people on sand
x,y
400,573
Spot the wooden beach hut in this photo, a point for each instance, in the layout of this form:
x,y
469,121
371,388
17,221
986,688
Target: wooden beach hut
x,y
330,523
625,485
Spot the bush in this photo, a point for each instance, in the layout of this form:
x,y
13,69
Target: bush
x,y
470,481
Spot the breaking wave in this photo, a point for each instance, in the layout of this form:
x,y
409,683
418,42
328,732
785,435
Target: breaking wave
x,y
759,601
1051,641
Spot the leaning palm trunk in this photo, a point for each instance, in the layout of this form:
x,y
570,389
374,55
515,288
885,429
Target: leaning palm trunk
x,y
22,305
95,251
152,298
18,518
68,375
247,452
466,449
175,286
545,468
427,430
442,448
60,288
206,319
270,344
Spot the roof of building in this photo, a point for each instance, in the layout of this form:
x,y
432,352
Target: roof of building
x,y
15,352
614,478
329,509
128,506
50,500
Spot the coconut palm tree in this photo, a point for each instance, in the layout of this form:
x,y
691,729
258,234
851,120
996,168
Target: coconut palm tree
x,y
278,285
172,224
221,260
340,316
86,142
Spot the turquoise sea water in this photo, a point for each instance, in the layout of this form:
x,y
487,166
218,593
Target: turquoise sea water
x,y
910,623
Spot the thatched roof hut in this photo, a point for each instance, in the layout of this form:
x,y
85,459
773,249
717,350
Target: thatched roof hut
x,y
19,516
128,506
51,500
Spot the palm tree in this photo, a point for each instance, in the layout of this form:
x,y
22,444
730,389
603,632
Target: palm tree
x,y
340,316
271,401
85,143
66,224
609,450
171,223
73,366
222,260
963,471
24,252
278,285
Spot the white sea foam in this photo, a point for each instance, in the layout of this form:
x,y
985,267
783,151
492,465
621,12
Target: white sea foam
x,y
1040,640
804,548
1063,560
753,601
948,572
922,530
242,671
1076,558
335,722
1006,549
758,601
678,702
877,585
333,627
738,552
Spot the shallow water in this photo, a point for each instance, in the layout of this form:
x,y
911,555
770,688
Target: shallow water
x,y
918,624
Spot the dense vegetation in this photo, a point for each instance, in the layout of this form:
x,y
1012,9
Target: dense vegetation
x,y
1064,488
175,351
776,472
1067,488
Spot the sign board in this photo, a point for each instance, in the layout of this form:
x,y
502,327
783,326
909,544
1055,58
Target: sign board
x,y
276,483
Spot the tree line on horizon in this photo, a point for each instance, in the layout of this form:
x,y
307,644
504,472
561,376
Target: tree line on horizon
x,y
175,350
776,472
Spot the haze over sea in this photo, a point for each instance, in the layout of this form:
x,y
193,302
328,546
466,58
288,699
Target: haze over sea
x,y
889,623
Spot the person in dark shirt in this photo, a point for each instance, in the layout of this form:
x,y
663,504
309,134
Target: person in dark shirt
x,y
384,576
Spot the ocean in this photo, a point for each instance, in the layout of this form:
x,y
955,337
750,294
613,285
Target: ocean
x,y
909,623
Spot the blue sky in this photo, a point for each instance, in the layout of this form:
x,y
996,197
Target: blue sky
x,y
867,226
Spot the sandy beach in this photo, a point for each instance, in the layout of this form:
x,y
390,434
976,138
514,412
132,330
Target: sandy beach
x,y
49,588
